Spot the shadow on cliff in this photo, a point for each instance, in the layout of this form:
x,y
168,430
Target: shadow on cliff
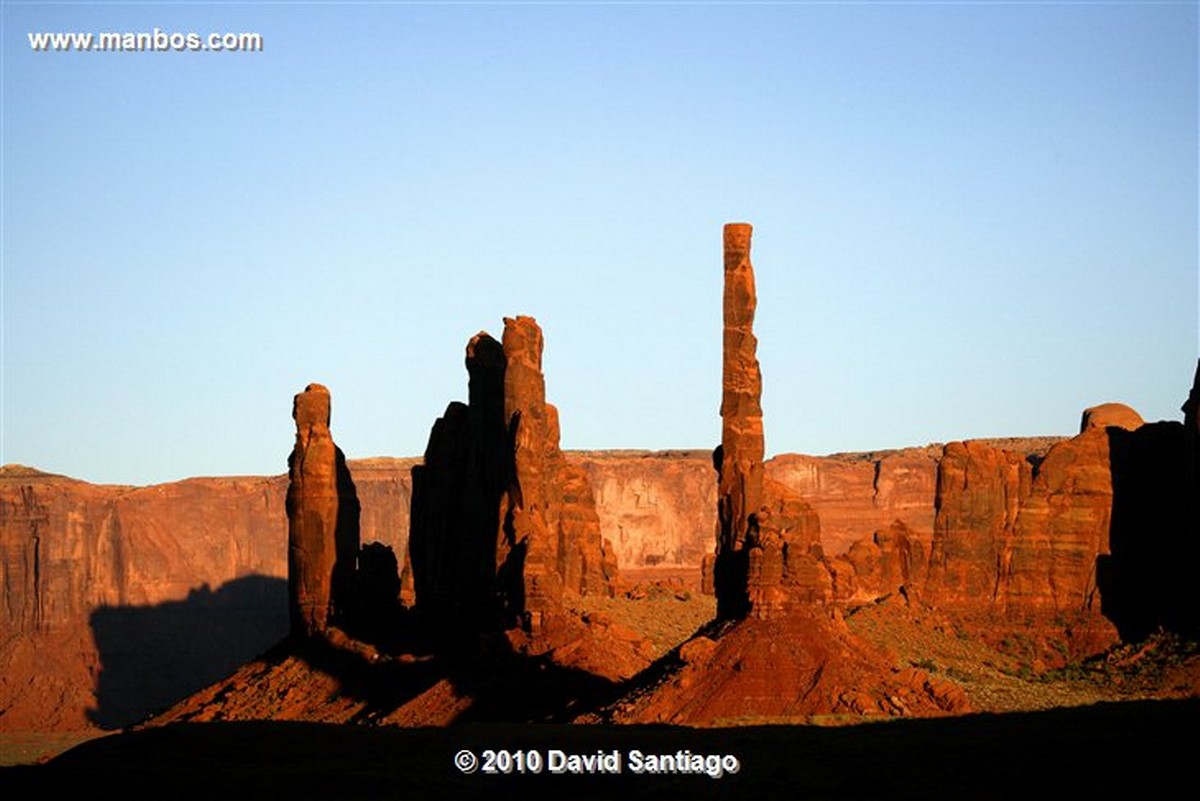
x,y
153,656
1145,581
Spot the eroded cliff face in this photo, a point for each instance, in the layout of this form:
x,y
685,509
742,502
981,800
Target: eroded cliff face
x,y
656,508
856,495
92,576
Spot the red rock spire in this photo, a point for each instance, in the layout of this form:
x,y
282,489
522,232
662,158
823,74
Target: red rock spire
x,y
739,459
323,517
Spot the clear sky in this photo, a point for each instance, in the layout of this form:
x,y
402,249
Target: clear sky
x,y
971,220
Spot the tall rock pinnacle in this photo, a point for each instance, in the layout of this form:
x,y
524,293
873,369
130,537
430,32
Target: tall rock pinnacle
x,y
322,509
739,460
768,555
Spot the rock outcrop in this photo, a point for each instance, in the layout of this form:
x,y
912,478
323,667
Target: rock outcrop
x,y
1108,415
656,508
979,491
503,525
86,570
739,458
323,515
804,666
856,495
778,650
456,498
768,549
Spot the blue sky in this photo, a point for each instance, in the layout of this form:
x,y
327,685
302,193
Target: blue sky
x,y
970,221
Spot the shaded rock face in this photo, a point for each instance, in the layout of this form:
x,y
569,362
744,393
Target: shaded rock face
x,y
456,500
502,524
322,513
1147,580
1191,480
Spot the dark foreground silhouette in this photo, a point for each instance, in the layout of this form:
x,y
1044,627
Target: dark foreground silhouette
x,y
1107,750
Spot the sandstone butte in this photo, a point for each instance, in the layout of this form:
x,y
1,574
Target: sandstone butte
x,y
1074,540
505,529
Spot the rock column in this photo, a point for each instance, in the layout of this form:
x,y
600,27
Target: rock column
x,y
525,546
322,514
739,459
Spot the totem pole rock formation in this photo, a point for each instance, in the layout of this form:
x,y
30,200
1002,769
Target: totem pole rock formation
x,y
502,524
739,459
768,552
323,511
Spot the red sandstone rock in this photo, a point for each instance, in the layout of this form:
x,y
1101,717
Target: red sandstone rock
x,y
657,508
503,524
526,548
802,666
322,519
1062,528
858,494
978,495
549,530
893,559
739,459
787,564
78,557
127,551
1111,414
